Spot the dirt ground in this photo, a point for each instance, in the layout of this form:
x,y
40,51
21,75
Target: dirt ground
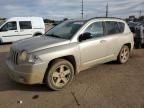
x,y
108,85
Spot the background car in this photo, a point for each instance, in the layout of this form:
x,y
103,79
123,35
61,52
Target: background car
x,y
18,28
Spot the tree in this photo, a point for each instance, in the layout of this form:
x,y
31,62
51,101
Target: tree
x,y
2,18
48,21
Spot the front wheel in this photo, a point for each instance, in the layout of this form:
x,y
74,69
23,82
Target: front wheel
x,y
60,74
123,55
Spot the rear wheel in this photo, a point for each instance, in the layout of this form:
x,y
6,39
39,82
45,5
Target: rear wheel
x,y
60,74
123,55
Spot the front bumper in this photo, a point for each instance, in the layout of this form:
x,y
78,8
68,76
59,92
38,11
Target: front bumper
x,y
28,73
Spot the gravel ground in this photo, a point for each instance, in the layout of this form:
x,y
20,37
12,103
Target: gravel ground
x,y
108,85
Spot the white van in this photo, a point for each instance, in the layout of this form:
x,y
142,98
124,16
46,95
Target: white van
x,y
18,28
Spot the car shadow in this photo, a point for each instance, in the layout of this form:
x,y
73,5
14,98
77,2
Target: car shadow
x,y
112,63
9,85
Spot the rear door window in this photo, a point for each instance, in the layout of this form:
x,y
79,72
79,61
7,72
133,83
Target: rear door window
x,y
25,25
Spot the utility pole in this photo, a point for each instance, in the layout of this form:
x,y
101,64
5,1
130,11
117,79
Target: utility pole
x,y
107,7
140,12
82,10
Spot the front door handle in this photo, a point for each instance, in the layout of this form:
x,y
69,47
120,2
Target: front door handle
x,y
16,31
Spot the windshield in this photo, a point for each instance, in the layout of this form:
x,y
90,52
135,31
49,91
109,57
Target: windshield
x,y
65,30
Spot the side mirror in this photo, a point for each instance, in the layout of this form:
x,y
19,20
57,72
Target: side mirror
x,y
84,36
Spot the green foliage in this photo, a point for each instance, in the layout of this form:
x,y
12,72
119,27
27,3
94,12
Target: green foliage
x,y
2,18
49,21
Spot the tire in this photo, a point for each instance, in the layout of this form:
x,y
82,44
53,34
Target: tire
x,y
60,74
38,34
123,55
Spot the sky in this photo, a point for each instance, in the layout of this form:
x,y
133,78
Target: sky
x,y
59,9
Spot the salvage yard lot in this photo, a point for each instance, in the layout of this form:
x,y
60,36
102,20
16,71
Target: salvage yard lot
x,y
108,85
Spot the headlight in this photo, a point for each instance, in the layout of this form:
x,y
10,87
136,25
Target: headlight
x,y
23,57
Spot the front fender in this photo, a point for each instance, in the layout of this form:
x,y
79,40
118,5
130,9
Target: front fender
x,y
50,54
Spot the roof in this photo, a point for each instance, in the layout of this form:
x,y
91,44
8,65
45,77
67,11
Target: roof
x,y
104,18
24,18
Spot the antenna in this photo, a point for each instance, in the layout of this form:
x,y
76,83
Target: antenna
x,y
82,10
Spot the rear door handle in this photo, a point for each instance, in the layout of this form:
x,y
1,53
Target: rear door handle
x,y
102,41
16,31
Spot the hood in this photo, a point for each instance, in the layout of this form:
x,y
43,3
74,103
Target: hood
x,y
38,43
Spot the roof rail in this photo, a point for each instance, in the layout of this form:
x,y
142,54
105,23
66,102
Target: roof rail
x,y
105,17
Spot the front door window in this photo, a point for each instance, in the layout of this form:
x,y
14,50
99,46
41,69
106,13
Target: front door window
x,y
95,29
9,26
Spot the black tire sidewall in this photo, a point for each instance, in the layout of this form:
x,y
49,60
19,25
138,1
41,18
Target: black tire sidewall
x,y
52,69
38,34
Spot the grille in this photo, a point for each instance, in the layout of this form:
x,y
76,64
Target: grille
x,y
14,56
